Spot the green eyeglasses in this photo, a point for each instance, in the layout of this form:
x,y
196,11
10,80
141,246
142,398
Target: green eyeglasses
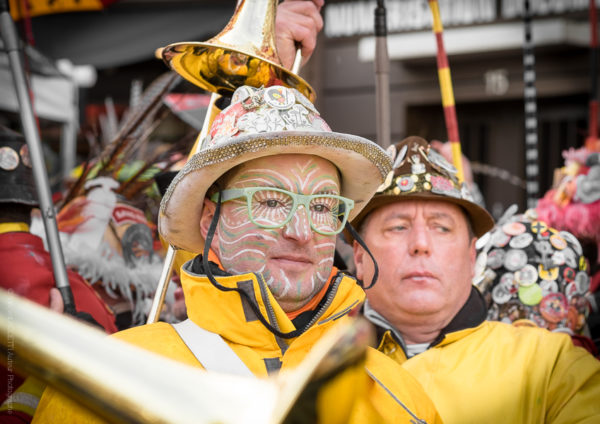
x,y
270,207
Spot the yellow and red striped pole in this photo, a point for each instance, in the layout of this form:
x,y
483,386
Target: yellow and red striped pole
x,y
446,89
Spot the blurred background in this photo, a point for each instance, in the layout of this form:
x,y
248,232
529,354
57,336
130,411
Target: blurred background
x,y
89,59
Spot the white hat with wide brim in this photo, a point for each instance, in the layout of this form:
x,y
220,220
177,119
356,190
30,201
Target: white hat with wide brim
x,y
362,165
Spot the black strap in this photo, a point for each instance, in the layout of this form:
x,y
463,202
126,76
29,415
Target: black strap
x,y
360,241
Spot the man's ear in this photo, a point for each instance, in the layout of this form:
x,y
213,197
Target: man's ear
x,y
359,257
208,211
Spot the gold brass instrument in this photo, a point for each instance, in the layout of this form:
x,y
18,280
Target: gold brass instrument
x,y
243,53
123,383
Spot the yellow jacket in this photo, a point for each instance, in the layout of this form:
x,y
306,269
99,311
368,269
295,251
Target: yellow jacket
x,y
225,314
497,373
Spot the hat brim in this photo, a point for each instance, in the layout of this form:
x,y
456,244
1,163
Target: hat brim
x,y
481,220
362,165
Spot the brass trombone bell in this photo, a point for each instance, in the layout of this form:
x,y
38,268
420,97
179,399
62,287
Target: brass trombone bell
x,y
243,53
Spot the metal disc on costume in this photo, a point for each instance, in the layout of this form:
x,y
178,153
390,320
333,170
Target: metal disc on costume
x,y
553,307
405,184
558,258
514,228
501,294
480,263
417,167
548,286
558,242
583,263
400,157
582,280
547,274
9,159
391,151
570,258
508,279
539,227
525,323
526,276
515,259
279,97
500,239
521,241
241,94
495,258
571,290
569,274
483,241
571,239
386,183
303,100
441,162
530,295
543,247
25,157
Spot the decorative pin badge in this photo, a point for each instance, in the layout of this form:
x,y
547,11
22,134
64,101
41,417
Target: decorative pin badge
x,y
558,242
582,280
495,258
9,159
547,274
514,228
553,307
242,93
405,184
400,157
279,97
526,276
25,157
386,183
539,227
440,162
531,295
521,241
391,151
304,101
417,167
515,259
572,240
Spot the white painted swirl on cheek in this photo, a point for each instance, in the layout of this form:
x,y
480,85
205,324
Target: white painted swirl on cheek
x,y
326,252
242,245
286,284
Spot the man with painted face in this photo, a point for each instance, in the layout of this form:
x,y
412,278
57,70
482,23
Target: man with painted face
x,y
422,226
262,202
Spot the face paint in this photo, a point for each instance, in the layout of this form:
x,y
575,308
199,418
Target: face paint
x,y
294,260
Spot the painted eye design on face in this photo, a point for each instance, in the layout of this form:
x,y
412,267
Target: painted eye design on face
x,y
271,207
323,205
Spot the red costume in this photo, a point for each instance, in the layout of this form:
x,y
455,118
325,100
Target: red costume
x,y
27,271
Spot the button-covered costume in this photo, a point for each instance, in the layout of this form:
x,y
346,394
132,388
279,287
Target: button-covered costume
x,y
259,123
479,371
533,274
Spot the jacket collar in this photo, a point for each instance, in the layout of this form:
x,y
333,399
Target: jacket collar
x,y
472,314
228,313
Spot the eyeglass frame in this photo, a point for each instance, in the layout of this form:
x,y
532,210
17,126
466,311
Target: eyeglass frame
x,y
297,198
